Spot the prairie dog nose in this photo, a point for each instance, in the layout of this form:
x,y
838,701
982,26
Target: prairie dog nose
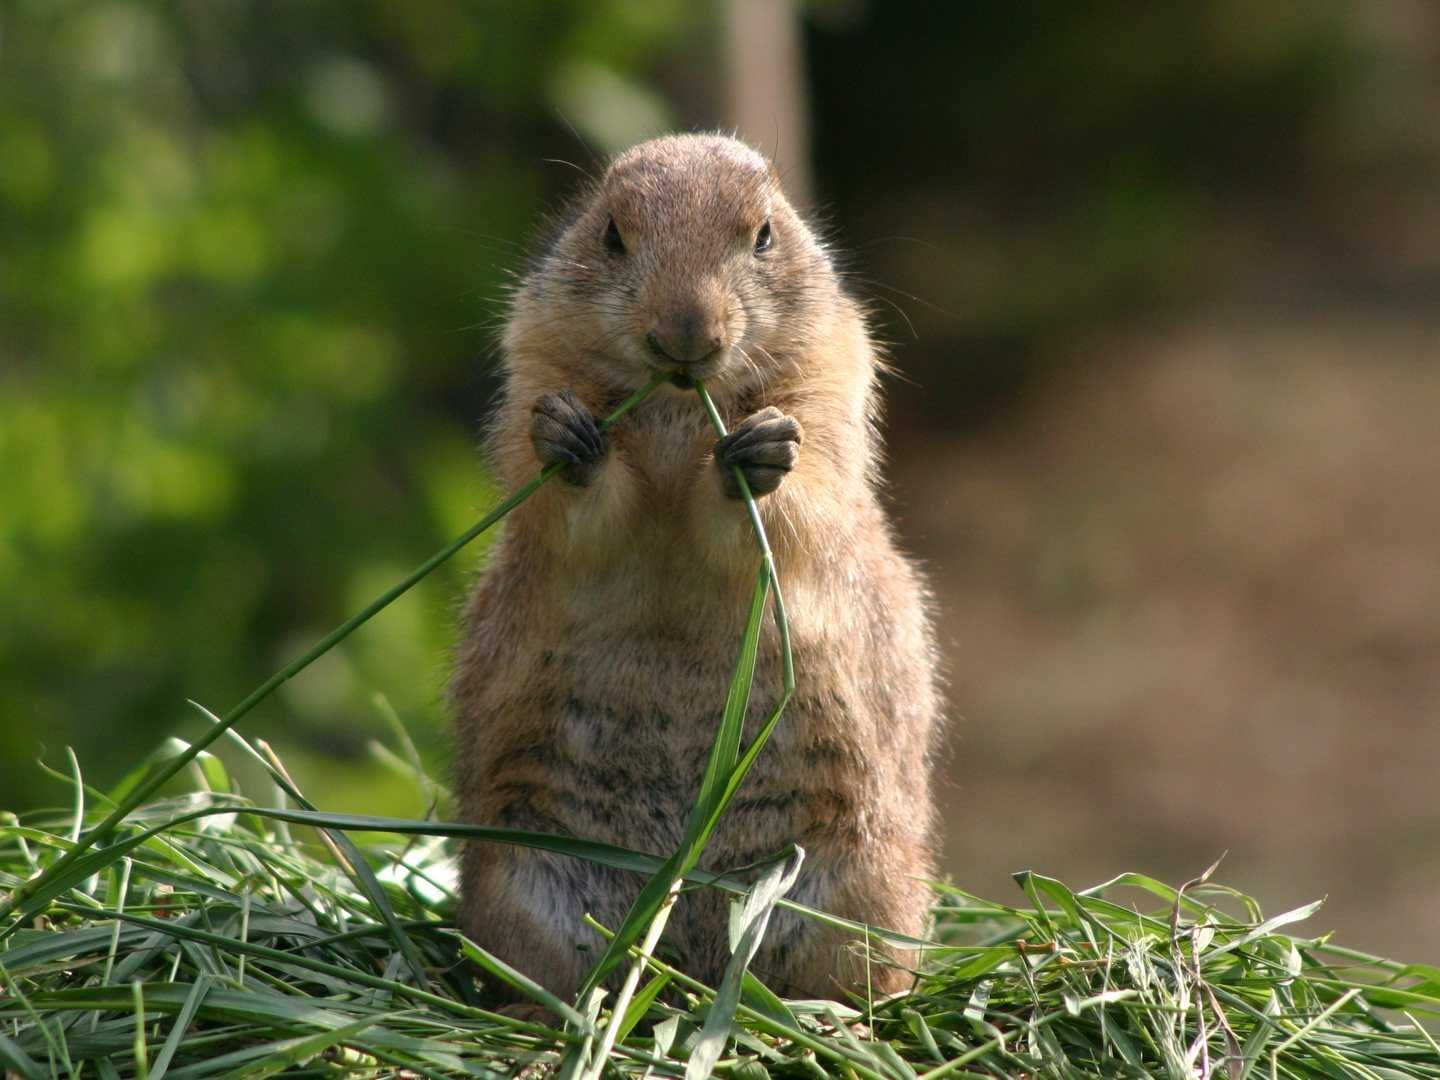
x,y
686,338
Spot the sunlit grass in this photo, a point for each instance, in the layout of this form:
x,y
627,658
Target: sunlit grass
x,y
254,950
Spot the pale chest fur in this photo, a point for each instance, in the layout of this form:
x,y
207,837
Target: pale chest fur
x,y
652,575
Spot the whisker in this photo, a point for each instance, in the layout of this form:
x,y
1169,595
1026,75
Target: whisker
x,y
903,314
878,284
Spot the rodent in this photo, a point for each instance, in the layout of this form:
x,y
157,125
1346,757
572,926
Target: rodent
x,y
600,639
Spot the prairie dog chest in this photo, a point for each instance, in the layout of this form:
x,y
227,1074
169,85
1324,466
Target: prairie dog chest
x,y
668,447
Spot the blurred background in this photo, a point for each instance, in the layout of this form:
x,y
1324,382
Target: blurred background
x,y
1163,283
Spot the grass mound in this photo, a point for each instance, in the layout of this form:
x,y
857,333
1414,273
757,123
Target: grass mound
x,y
216,938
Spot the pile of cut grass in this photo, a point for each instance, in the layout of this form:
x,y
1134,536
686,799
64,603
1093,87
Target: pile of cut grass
x,y
196,936
229,941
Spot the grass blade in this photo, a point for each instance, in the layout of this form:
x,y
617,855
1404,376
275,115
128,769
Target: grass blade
x,y
522,982
17,1061
754,920
182,1023
725,750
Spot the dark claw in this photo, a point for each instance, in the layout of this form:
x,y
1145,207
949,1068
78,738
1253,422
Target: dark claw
x,y
764,446
563,431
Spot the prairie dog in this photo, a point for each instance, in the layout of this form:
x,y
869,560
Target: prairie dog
x,y
599,642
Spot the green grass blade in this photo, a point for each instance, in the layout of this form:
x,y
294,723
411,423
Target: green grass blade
x,y
764,1000
759,904
15,1060
182,1023
640,1005
725,750
1269,926
522,982
142,1067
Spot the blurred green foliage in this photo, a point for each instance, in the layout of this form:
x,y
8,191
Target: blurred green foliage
x,y
252,251
248,268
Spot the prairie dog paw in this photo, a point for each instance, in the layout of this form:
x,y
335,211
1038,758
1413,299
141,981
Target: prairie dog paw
x,y
764,446
563,431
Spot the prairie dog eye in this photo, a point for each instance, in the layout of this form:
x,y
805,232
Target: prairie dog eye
x,y
763,239
614,243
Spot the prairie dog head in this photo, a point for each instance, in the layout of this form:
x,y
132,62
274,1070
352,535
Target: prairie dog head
x,y
685,256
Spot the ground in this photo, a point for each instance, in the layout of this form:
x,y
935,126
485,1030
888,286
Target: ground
x,y
1191,604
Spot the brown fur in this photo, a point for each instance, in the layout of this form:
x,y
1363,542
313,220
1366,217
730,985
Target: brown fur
x,y
600,641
